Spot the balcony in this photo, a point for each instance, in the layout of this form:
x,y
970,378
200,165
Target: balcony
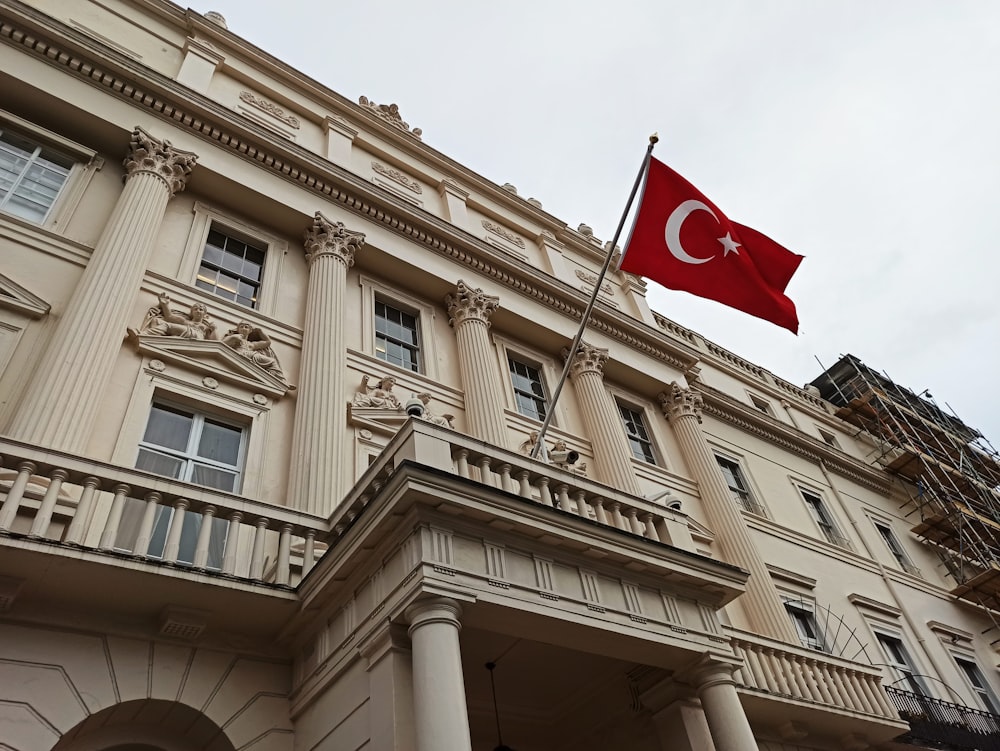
x,y
941,724
799,691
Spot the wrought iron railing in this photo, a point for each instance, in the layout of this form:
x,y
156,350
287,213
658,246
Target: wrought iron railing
x,y
944,724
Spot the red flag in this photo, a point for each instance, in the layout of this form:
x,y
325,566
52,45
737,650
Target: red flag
x,y
682,240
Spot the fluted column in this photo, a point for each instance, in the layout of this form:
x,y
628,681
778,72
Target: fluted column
x,y
65,392
318,479
727,721
604,424
439,707
682,407
469,311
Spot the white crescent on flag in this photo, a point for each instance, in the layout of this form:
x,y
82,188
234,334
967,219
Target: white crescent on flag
x,y
672,231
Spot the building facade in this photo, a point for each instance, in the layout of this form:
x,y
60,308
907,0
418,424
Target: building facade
x,y
271,373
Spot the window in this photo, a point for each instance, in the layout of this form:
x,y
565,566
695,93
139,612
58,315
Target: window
x,y
231,268
828,438
762,404
822,518
895,547
738,487
30,177
899,660
638,437
529,392
188,446
979,685
396,336
803,617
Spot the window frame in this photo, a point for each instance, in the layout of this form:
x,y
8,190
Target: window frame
x,y
206,218
219,267
796,607
823,518
653,456
827,437
750,504
372,289
419,356
889,538
545,398
984,693
760,404
86,163
906,671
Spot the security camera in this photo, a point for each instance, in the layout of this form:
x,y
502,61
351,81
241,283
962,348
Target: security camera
x,y
564,457
414,407
675,505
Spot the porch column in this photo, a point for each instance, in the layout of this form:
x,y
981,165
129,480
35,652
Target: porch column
x,y
440,713
604,423
318,479
469,311
726,719
66,391
682,407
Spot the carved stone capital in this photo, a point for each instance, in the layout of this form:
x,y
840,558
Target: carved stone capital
x,y
678,401
147,154
587,359
468,303
326,238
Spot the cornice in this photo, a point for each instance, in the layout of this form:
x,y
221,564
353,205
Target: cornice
x,y
727,409
214,123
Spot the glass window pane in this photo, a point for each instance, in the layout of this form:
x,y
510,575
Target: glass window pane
x,y
160,464
220,443
168,427
213,477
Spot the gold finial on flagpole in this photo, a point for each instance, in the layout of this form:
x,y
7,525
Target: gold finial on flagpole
x,y
654,138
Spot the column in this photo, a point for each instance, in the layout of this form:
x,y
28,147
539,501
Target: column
x,y
470,310
726,719
439,709
604,423
318,480
64,396
389,663
682,407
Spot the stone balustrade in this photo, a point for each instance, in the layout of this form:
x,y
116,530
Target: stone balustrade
x,y
781,670
63,500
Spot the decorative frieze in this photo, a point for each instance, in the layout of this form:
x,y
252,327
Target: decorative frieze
x,y
270,108
390,113
396,176
148,154
591,279
501,232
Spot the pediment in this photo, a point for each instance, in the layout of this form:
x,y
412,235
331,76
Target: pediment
x,y
378,420
699,531
213,358
15,297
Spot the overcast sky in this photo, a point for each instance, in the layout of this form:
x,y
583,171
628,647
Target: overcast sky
x,y
862,134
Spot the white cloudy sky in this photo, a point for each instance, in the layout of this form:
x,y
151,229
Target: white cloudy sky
x,y
863,134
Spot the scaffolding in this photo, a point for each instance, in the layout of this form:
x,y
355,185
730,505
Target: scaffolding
x,y
950,471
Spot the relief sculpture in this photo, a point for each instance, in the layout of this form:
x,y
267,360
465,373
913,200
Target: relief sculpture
x,y
251,342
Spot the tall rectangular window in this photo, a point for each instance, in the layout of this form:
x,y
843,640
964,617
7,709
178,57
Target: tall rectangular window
x,y
822,518
979,684
907,678
396,336
738,487
193,447
637,435
31,177
895,547
529,392
231,268
803,618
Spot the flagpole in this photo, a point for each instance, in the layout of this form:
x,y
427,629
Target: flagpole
x,y
539,447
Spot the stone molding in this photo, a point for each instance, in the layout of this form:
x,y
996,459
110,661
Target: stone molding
x,y
270,108
591,279
587,359
326,238
470,303
501,232
389,113
396,176
678,402
15,297
148,154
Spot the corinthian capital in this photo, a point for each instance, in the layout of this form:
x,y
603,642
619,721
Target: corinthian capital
x,y
147,154
587,359
678,401
326,238
468,303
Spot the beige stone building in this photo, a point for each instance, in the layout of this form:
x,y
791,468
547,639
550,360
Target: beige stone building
x,y
270,368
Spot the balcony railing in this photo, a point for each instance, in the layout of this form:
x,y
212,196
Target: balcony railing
x,y
944,724
784,671
69,502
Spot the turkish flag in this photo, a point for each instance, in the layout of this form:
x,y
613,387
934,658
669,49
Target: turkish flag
x,y
681,240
